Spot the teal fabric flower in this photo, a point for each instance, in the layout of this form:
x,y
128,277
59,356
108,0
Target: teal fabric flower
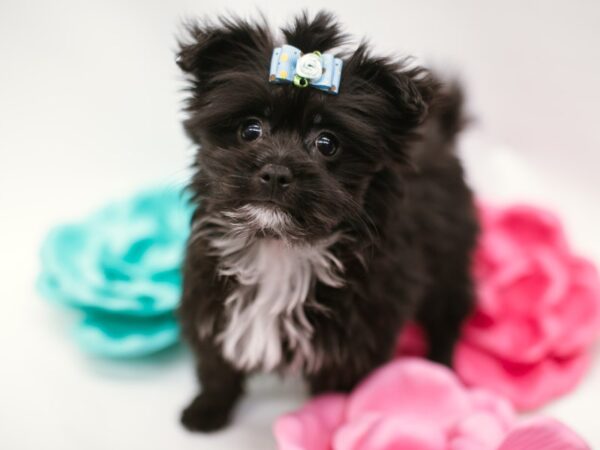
x,y
121,269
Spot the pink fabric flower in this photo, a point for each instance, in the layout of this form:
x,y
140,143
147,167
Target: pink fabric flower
x,y
412,404
538,309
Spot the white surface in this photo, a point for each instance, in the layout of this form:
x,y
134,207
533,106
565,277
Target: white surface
x,y
89,110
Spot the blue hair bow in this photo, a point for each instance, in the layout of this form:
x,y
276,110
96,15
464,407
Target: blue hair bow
x,y
321,71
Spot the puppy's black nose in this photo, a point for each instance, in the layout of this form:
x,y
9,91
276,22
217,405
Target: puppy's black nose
x,y
275,177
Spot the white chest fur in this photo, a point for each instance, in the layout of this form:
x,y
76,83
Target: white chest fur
x,y
275,282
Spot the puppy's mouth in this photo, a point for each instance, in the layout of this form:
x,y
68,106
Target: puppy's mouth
x,y
264,217
269,216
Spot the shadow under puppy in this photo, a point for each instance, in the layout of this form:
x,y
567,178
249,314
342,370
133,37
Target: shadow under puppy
x,y
326,217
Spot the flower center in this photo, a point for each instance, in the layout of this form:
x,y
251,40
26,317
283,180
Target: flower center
x,y
309,66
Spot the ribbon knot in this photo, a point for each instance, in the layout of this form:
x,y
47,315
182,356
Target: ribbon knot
x,y
320,71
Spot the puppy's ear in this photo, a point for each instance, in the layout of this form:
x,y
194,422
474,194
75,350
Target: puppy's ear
x,y
229,44
320,33
406,91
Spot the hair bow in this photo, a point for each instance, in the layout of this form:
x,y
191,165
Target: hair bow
x,y
321,71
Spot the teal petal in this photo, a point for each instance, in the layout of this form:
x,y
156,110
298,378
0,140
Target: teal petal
x,y
124,259
126,337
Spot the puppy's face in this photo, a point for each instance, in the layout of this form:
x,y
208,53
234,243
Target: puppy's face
x,y
287,161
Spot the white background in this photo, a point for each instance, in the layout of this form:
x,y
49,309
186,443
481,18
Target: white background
x,y
89,111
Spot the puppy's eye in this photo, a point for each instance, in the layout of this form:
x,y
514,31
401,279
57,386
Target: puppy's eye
x,y
327,144
251,130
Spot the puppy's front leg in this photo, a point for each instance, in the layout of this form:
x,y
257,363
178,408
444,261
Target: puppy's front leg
x,y
221,386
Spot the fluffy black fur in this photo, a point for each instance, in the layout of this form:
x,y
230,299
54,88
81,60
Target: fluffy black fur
x,y
395,191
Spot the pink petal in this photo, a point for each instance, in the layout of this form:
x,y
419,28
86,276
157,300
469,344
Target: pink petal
x,y
313,426
492,403
540,282
526,290
416,390
521,339
480,430
495,249
380,432
486,426
546,434
526,385
580,309
531,226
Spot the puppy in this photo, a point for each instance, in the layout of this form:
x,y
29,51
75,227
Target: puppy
x,y
329,212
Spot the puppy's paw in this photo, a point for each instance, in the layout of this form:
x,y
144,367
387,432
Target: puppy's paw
x,y
206,414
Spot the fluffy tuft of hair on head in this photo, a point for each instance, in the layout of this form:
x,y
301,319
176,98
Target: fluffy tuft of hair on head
x,y
212,47
322,32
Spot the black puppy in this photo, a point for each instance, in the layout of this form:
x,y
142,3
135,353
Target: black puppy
x,y
324,220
